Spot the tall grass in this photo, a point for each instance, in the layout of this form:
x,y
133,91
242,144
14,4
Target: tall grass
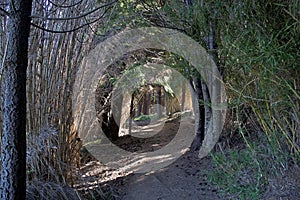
x,y
257,47
46,168
50,177
262,70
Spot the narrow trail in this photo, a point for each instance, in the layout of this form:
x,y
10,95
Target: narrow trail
x,y
184,179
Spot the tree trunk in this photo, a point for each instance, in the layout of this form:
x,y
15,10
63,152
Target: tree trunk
x,y
149,94
200,125
202,94
183,96
163,100
145,101
158,101
13,151
207,109
131,115
139,108
206,98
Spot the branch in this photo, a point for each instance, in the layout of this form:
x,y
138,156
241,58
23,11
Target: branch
x,y
70,30
293,16
76,17
66,6
4,12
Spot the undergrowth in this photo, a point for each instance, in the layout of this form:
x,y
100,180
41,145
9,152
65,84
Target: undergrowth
x,y
49,176
238,173
259,51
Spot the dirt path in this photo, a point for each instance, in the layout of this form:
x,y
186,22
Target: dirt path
x,y
185,177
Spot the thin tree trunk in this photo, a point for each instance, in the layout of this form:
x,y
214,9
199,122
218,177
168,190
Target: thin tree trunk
x,y
207,109
145,101
163,100
202,94
139,108
200,126
131,114
199,111
13,151
206,98
158,101
183,96
149,94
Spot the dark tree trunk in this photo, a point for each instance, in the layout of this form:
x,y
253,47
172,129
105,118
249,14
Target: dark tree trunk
x,y
139,108
131,113
149,94
158,101
13,151
104,125
113,127
114,118
200,128
145,102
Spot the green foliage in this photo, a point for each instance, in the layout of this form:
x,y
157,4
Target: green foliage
x,y
238,173
124,14
244,173
146,117
258,46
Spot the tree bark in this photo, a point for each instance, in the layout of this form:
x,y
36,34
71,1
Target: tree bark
x,y
158,101
183,96
147,100
149,94
206,97
131,115
13,151
163,100
200,125
139,108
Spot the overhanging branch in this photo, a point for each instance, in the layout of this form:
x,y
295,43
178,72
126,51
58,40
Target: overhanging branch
x,y
66,6
4,12
70,30
75,17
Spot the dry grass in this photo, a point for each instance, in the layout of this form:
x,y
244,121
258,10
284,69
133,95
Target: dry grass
x,y
49,177
50,191
43,156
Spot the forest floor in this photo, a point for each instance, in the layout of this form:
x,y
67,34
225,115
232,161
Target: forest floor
x,y
185,178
